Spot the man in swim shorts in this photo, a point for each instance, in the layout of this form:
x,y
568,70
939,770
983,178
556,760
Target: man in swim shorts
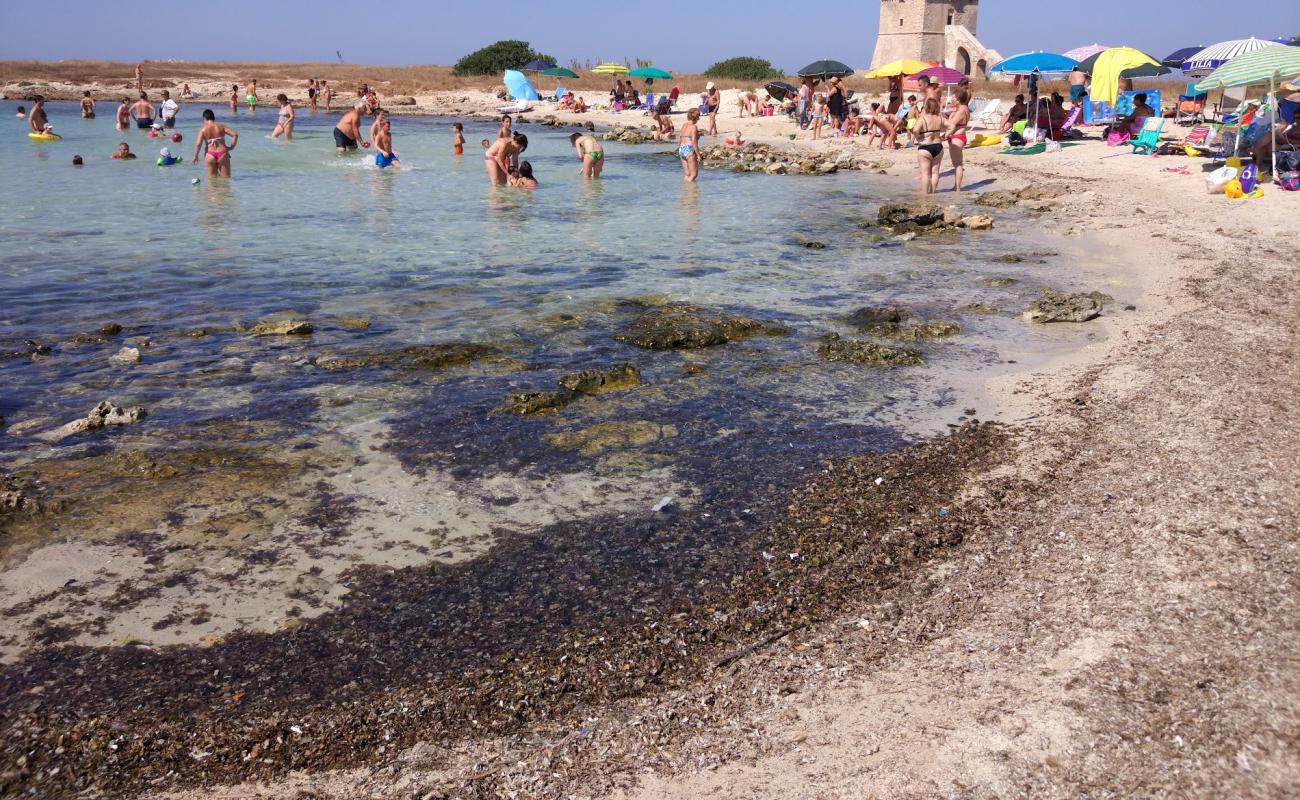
x,y
385,156
36,119
348,131
143,112
1078,81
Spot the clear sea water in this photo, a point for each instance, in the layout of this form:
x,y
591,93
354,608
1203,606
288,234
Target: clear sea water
x,y
429,253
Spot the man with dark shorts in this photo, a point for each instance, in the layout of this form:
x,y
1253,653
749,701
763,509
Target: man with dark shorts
x,y
168,110
36,119
1078,86
143,112
348,131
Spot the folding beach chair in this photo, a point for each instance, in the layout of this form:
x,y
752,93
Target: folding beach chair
x,y
989,115
977,106
1230,104
1191,106
673,95
1147,141
1067,127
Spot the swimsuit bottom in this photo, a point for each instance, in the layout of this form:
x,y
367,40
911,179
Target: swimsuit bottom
x,y
595,155
459,150
252,99
1076,93
144,123
934,149
382,160
217,155
343,141
88,115
686,151
958,137
311,93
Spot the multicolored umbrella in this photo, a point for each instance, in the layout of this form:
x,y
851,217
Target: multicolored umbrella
x,y
1211,58
610,69
945,75
894,69
1029,63
1263,65
1085,52
826,68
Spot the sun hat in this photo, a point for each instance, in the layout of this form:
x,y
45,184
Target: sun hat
x,y
709,85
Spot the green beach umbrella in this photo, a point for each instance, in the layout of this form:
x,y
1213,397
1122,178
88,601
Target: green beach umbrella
x,y
650,73
559,72
1268,65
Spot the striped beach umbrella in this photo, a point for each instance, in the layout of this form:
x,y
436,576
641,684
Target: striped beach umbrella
x,y
1216,55
1085,52
1265,65
610,69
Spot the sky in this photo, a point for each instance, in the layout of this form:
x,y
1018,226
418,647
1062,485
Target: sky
x,y
681,35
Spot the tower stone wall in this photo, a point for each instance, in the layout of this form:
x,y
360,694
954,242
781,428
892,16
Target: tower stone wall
x,y
940,31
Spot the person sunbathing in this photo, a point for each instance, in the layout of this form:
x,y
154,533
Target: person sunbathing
x,y
567,103
853,125
580,106
1017,112
1132,123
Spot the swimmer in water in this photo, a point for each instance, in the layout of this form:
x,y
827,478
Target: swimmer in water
x,y
385,155
524,179
87,106
211,145
498,156
284,124
22,112
77,162
458,139
590,152
124,152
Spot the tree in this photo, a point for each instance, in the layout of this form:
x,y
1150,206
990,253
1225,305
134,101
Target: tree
x,y
498,57
743,68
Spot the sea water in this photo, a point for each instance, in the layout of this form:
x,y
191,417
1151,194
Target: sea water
x,y
427,252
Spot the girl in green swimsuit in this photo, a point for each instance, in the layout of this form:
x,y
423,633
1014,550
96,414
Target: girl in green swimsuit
x,y
591,152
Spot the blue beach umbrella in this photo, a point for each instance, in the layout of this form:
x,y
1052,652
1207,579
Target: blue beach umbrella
x,y
1176,58
1029,63
536,66
518,86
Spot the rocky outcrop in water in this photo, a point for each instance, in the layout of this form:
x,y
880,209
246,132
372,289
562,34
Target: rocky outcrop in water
x,y
918,213
288,327
682,326
877,319
1054,306
425,356
528,403
598,381
776,161
607,435
834,347
101,416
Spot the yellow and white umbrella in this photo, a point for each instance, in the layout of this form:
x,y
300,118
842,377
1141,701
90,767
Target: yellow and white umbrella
x,y
610,69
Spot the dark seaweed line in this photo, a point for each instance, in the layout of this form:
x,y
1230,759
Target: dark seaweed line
x,y
580,613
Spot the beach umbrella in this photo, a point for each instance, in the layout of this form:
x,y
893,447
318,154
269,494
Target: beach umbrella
x,y
945,75
610,69
559,72
1176,58
826,68
1111,66
1029,63
536,66
1085,52
1265,65
895,69
1205,61
518,86
779,89
1148,69
650,73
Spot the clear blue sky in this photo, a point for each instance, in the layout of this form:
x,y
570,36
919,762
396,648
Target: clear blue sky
x,y
684,35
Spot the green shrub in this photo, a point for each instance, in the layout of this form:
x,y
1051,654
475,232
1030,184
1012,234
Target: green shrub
x,y
498,57
743,68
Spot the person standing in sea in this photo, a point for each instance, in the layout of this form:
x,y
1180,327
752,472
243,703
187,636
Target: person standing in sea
x,y
688,146
284,123
311,92
124,114
500,154
36,119
211,145
143,112
326,93
347,133
168,110
234,98
590,152
87,105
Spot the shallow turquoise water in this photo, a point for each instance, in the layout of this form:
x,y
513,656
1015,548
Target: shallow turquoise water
x,y
430,253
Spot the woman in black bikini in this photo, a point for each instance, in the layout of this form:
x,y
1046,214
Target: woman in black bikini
x,y
929,133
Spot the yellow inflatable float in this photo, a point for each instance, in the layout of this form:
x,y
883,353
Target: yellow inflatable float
x,y
985,140
43,137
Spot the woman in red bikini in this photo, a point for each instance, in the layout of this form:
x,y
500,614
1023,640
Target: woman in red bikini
x,y
212,143
958,121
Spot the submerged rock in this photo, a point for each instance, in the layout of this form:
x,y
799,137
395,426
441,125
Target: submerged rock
x,y
977,222
596,381
608,435
126,356
1054,306
996,283
111,329
100,416
833,347
978,308
428,356
288,327
528,403
918,213
682,326
926,330
878,319
354,323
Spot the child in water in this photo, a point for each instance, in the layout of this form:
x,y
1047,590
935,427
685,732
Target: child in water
x,y
166,159
385,155
523,177
22,113
458,140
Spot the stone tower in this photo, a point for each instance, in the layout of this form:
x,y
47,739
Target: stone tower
x,y
932,30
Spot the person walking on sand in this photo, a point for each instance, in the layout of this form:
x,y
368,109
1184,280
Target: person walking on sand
x,y
958,121
139,77
929,132
284,123
347,133
168,110
124,114
142,111
713,100
836,104
326,94
497,158
87,105
590,152
211,145
1078,86
688,146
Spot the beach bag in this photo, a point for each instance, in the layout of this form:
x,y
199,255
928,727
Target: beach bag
x,y
1288,170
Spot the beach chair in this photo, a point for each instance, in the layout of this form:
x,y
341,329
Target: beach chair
x,y
1230,104
989,114
1067,127
673,95
977,106
1147,141
1191,107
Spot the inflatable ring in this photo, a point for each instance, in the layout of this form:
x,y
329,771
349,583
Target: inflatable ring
x,y
43,137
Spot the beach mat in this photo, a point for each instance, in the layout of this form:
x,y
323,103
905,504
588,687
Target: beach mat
x,y
1032,150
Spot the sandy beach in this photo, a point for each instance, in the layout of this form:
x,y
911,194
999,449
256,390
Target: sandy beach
x,y
1085,590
